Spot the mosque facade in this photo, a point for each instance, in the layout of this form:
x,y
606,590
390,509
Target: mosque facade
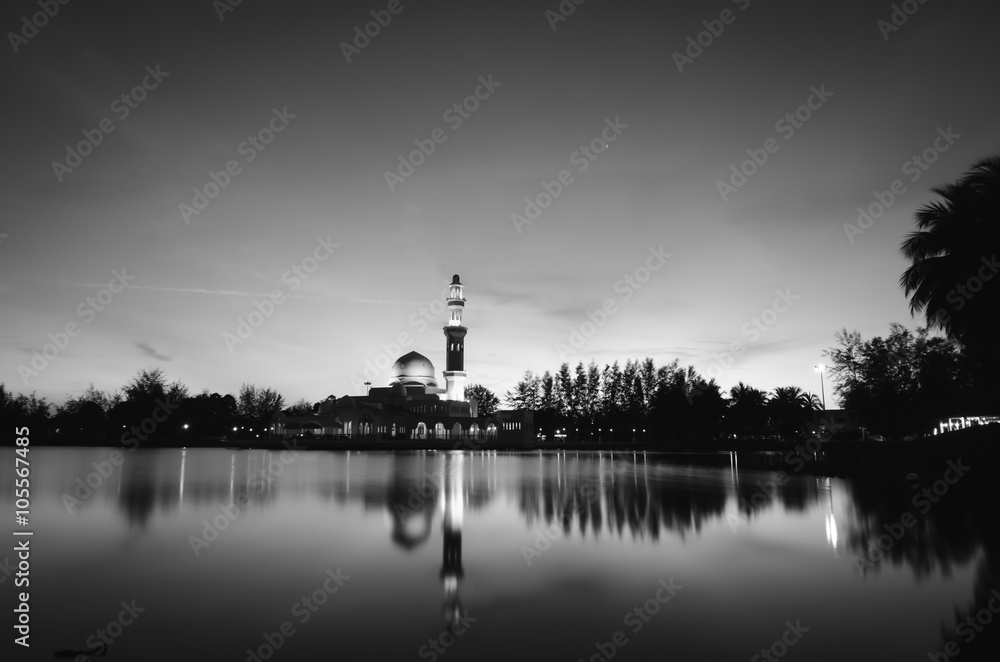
x,y
412,406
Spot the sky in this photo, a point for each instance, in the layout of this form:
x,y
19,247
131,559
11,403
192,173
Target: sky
x,y
589,166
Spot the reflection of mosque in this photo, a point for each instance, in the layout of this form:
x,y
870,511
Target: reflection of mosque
x,y
586,494
413,406
445,489
451,524
596,495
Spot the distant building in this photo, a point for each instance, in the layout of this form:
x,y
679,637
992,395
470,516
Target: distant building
x,y
962,422
413,406
836,423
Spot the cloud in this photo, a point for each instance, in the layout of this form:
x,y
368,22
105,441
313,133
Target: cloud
x,y
193,290
388,302
149,351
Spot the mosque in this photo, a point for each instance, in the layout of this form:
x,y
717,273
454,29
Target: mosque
x,y
412,406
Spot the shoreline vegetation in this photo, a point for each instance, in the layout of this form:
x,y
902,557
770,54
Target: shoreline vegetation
x,y
889,459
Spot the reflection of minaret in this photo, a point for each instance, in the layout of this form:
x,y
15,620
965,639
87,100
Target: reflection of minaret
x,y
454,332
454,511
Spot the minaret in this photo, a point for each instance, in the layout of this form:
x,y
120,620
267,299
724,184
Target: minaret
x,y
454,333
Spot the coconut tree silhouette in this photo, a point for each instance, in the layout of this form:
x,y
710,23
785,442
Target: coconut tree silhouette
x,y
791,408
954,266
747,412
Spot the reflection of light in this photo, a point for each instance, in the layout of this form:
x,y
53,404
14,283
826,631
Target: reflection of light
x,y
454,502
183,460
831,531
826,485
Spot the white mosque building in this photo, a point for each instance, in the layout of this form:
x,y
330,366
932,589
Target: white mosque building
x,y
412,406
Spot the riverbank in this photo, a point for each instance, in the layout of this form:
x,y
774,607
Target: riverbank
x,y
838,458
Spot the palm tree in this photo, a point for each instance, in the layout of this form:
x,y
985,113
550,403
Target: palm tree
x,y
953,253
791,408
747,409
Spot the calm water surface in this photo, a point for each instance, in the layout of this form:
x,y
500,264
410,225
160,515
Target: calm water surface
x,y
542,555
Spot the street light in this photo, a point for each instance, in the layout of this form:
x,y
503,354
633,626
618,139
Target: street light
x,y
822,389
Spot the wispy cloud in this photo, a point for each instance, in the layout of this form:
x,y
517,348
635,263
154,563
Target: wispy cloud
x,y
388,302
149,351
194,290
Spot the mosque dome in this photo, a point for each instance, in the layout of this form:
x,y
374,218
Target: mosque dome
x,y
413,369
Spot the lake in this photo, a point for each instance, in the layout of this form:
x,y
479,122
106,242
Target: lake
x,y
215,554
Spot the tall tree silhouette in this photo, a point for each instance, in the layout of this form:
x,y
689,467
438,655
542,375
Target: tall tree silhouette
x,y
952,278
791,409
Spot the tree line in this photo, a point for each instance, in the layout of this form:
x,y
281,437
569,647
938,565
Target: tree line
x,y
150,407
147,407
642,401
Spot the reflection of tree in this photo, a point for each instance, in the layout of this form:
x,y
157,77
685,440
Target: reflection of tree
x,y
161,479
798,495
587,491
138,499
956,530
940,539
